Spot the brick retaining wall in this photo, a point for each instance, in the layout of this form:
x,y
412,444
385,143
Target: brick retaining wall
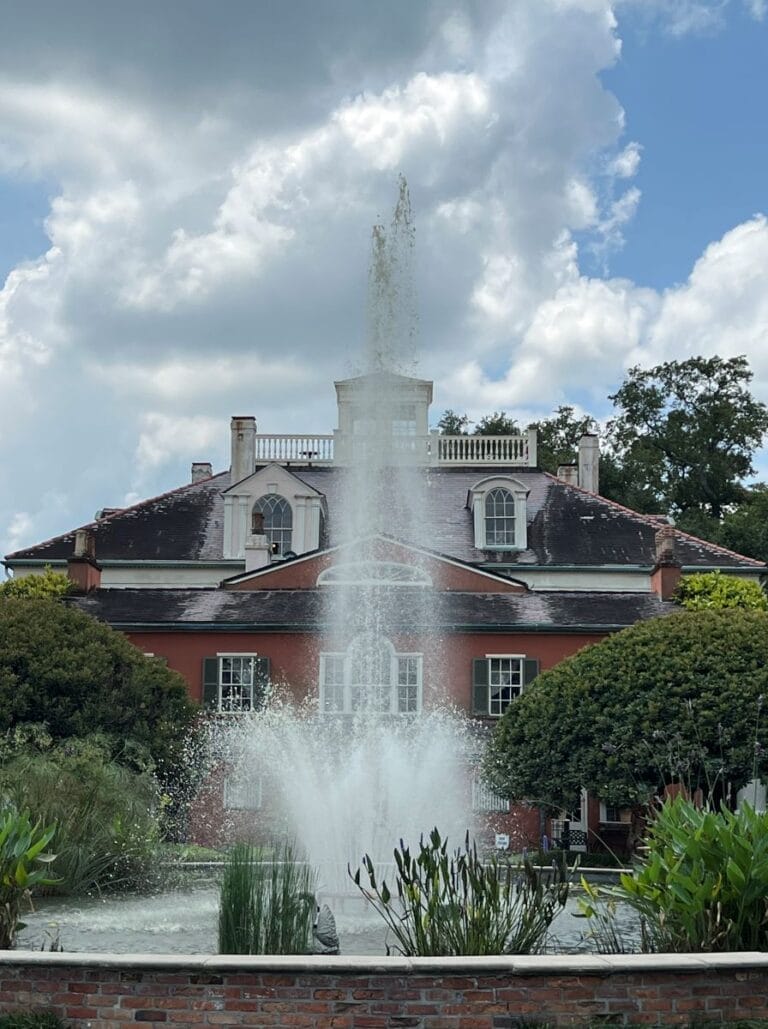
x,y
108,991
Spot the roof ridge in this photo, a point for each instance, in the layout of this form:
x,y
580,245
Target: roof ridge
x,y
651,520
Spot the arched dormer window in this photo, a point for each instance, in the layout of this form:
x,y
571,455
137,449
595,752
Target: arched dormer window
x,y
499,518
498,507
277,521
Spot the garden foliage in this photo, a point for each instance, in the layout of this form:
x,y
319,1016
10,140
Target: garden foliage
x,y
460,904
62,668
48,585
704,590
24,867
673,699
267,902
107,815
702,885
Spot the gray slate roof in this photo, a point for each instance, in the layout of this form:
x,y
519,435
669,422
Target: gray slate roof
x,y
566,525
268,610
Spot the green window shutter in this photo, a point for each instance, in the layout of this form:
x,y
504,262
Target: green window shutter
x,y
530,669
480,688
211,682
260,682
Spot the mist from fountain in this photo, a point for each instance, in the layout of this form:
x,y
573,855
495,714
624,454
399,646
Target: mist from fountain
x,y
380,756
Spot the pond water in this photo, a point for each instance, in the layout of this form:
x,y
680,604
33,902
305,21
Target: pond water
x,y
185,922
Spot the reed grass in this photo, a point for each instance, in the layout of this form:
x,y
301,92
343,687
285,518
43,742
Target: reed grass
x,y
266,906
106,815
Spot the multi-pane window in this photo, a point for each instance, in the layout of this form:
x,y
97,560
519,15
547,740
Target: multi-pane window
x,y
278,521
408,676
333,682
404,420
498,679
233,683
610,812
242,792
505,678
370,676
486,799
236,677
499,518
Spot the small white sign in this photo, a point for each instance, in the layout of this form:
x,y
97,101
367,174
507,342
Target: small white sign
x,y
502,841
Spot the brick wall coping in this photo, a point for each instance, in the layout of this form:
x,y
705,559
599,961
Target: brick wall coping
x,y
523,965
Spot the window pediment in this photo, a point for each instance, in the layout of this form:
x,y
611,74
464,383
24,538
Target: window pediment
x,y
499,509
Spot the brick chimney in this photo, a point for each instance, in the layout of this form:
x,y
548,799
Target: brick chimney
x,y
257,549
243,431
667,571
589,463
82,568
201,470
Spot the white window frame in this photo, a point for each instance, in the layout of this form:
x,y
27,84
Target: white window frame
x,y
604,814
374,573
520,658
280,538
486,800
477,498
240,708
242,793
346,690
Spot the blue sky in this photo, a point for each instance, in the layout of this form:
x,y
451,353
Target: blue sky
x,y
23,208
697,102
187,192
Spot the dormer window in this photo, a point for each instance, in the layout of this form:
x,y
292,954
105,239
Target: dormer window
x,y
277,521
499,518
498,507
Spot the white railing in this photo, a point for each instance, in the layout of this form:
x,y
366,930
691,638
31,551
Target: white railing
x,y
508,450
299,449
512,451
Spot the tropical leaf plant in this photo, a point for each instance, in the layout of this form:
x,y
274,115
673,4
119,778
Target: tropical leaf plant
x,y
23,867
459,904
703,883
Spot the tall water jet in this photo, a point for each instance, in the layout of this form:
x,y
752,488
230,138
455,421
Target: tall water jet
x,y
377,756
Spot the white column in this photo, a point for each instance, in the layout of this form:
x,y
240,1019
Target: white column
x,y
298,536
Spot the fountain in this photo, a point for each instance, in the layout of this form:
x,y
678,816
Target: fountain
x,y
377,757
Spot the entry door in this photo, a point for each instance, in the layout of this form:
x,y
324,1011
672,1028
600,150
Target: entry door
x,y
576,825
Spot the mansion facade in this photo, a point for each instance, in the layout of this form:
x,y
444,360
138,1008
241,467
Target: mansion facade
x,y
236,578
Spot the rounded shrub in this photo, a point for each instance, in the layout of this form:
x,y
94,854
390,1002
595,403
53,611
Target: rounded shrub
x,y
674,699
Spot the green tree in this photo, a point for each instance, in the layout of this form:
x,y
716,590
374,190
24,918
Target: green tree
x,y
672,699
687,431
48,584
453,424
497,424
77,676
559,435
703,591
745,529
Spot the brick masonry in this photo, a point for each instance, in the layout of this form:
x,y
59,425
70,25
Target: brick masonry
x,y
113,991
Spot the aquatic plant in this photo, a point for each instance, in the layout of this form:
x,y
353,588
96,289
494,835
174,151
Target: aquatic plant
x,y
22,853
461,904
702,884
266,906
